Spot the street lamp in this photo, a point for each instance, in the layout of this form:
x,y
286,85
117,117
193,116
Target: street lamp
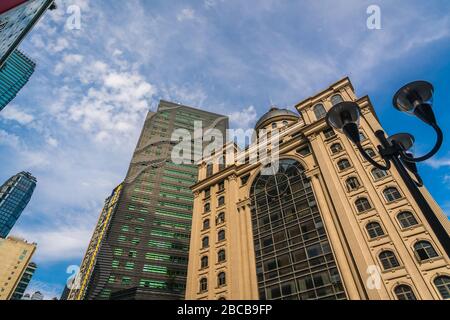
x,y
415,98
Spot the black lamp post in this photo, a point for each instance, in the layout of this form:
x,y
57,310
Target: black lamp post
x,y
415,98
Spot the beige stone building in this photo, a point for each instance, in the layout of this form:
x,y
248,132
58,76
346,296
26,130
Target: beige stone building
x,y
15,255
327,225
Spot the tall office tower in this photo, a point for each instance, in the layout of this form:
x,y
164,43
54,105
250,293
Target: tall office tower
x,y
144,249
13,76
15,194
17,18
15,255
325,225
24,281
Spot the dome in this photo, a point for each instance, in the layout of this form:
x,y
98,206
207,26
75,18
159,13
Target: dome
x,y
275,113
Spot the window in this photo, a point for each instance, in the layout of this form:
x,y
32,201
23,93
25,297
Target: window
x,y
329,133
424,250
304,151
352,184
221,279
378,174
336,148
344,164
221,201
208,193
205,242
221,186
206,224
244,179
443,285
203,285
207,208
274,125
362,136
363,205
209,170
371,153
220,218
337,98
204,262
392,194
319,111
404,292
285,123
407,219
388,260
374,230
221,256
221,235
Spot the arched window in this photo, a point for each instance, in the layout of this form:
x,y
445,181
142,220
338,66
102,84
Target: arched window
x,y
285,123
392,194
207,208
362,205
221,235
209,170
442,283
205,242
407,219
220,218
344,164
221,279
221,201
352,184
204,262
374,230
336,148
388,260
362,136
203,285
221,256
378,174
370,152
222,299
319,111
424,250
337,98
206,224
274,125
404,292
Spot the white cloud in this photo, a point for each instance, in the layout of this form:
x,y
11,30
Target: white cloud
x,y
186,14
439,163
48,290
14,113
244,119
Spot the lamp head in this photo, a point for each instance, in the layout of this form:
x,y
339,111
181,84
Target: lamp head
x,y
416,98
345,117
404,140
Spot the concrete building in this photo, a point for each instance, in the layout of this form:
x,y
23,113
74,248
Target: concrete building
x,y
24,281
326,225
15,256
140,246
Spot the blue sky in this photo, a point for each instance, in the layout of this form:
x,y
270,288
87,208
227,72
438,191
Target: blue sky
x,y
76,123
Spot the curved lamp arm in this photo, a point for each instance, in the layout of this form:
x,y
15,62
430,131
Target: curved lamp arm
x,y
438,145
385,167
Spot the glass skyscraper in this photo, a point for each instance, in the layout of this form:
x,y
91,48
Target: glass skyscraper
x,y
14,197
14,74
17,18
142,253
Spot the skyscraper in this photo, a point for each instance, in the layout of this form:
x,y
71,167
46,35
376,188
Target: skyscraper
x,y
24,281
326,225
15,256
17,18
13,76
15,194
143,251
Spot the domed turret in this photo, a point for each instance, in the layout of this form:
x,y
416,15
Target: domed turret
x,y
276,115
